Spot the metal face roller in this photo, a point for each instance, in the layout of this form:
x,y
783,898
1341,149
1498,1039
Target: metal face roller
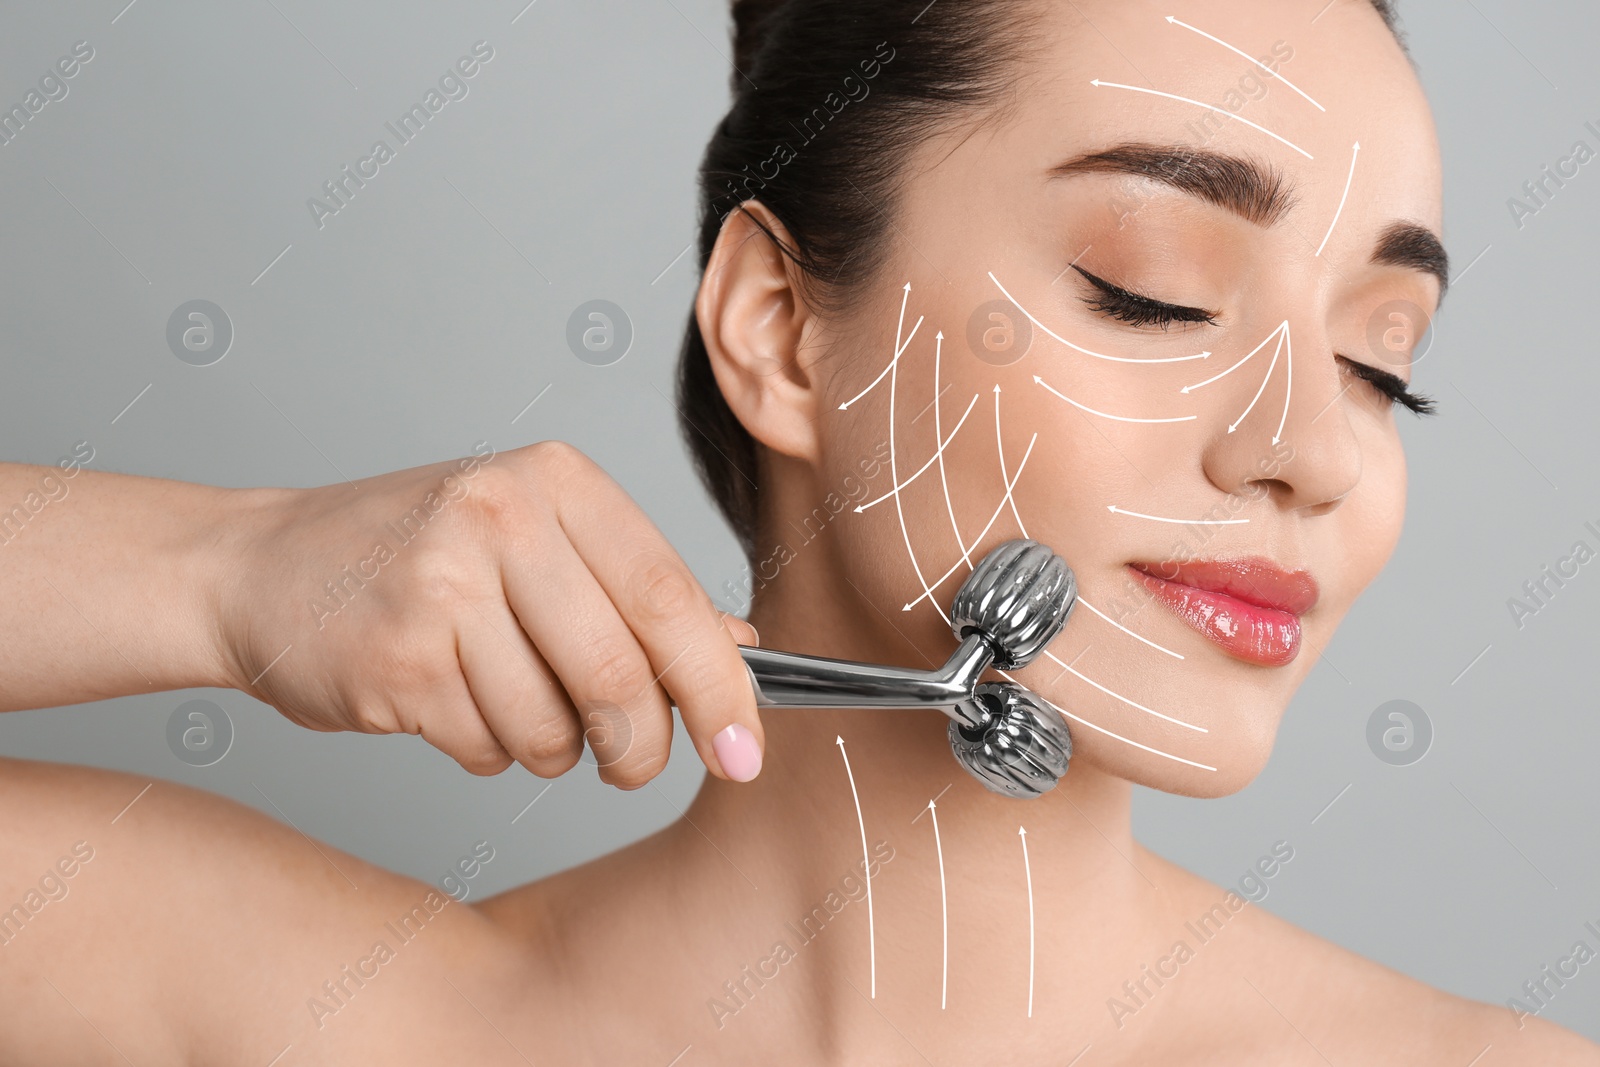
x,y
1022,748
1012,605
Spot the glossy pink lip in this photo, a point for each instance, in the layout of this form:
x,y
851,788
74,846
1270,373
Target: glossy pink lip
x,y
1250,607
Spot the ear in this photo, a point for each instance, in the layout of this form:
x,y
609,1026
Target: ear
x,y
755,322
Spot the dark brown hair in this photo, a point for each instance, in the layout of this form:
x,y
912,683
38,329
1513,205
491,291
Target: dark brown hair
x,y
828,96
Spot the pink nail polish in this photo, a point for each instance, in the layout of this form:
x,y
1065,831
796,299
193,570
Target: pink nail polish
x,y
738,752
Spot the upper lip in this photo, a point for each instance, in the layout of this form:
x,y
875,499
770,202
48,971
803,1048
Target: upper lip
x,y
1252,579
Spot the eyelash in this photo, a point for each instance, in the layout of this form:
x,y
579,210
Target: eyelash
x,y
1136,309
1391,386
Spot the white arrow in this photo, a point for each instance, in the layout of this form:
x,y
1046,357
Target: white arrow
x,y
944,907
900,324
872,944
944,482
899,506
1131,703
899,348
1355,151
1085,351
1181,522
1000,447
1124,629
1102,414
1184,99
1022,832
1288,389
1263,387
937,455
1218,377
1101,729
1270,72
927,591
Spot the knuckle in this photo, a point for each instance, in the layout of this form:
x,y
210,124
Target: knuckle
x,y
553,742
496,497
556,457
608,728
709,679
727,690
412,663
628,753
371,717
484,762
434,579
618,672
662,591
638,767
556,766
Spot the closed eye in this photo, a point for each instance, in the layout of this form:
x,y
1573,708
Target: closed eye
x,y
1136,309
1390,386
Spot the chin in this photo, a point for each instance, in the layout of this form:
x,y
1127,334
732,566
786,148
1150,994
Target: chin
x,y
1231,723
1241,728
1239,752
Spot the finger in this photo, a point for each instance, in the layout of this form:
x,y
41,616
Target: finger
x,y
517,694
447,718
672,617
623,712
742,631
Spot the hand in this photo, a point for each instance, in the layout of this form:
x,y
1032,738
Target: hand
x,y
506,607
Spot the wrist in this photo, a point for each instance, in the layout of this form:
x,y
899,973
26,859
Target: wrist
x,y
229,567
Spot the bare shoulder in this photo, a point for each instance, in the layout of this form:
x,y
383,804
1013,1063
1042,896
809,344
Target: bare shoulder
x,y
1403,1020
1408,1021
1317,1000
144,919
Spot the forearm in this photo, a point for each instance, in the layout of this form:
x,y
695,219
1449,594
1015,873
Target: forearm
x,y
108,584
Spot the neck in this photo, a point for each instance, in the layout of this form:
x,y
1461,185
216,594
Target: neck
x,y
936,842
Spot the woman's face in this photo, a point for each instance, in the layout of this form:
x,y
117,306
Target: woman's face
x,y
1225,510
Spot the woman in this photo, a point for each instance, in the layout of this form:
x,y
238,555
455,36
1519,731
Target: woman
x,y
980,282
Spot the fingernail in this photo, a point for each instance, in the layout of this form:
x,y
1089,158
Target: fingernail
x,y
738,752
754,636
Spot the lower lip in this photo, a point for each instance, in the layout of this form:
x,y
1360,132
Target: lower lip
x,y
1243,630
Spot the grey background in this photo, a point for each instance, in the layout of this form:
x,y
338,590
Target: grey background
x,y
428,313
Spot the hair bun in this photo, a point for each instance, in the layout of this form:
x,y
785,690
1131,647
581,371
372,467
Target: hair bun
x,y
751,20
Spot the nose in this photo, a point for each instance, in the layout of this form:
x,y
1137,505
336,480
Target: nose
x,y
1285,433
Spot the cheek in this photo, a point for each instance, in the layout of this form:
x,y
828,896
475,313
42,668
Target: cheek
x,y
1006,459
1369,523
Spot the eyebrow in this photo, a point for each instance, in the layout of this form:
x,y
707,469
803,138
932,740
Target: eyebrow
x,y
1406,244
1252,190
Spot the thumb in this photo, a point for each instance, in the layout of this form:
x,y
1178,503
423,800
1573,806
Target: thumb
x,y
743,633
